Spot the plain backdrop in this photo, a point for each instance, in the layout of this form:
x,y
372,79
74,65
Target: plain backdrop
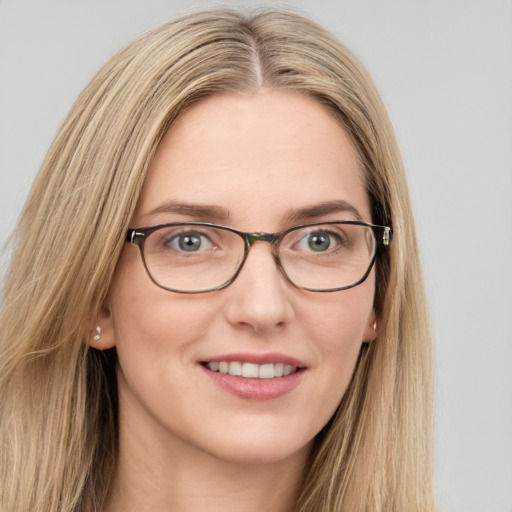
x,y
444,69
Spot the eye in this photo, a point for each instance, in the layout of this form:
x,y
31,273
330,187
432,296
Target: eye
x,y
190,241
319,241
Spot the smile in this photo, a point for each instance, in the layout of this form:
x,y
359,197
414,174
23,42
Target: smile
x,y
252,370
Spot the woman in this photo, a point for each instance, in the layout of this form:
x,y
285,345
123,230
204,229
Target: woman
x,y
207,308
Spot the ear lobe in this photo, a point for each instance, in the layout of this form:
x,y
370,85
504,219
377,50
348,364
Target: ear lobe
x,y
370,332
102,334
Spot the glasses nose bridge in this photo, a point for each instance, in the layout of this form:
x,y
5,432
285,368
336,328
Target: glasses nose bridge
x,y
272,238
250,238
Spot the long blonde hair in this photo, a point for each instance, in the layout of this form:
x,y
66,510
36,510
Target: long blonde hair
x,y
58,401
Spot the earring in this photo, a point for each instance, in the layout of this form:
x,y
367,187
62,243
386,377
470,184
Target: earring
x,y
98,333
375,326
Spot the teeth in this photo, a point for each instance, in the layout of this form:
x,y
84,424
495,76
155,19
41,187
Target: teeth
x,y
251,370
266,371
235,368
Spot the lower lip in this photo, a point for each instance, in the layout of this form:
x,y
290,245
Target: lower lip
x,y
256,389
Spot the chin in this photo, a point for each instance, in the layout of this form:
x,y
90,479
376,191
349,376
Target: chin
x,y
260,449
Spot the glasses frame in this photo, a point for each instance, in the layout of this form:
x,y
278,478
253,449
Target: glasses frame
x,y
383,236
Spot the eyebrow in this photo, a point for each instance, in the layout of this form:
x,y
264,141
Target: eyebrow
x,y
207,212
219,214
321,209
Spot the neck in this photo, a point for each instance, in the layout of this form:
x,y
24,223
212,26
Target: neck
x,y
180,478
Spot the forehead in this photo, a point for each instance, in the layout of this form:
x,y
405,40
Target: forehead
x,y
256,156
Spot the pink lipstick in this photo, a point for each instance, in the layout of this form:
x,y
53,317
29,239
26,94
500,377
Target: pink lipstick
x,y
255,376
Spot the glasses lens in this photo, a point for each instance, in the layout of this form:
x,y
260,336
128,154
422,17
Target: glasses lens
x,y
327,256
192,257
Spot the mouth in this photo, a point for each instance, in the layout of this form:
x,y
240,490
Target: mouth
x,y
255,377
249,370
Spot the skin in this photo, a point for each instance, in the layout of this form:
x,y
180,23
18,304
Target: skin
x,y
185,443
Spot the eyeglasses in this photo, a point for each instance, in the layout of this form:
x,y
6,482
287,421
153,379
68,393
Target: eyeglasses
x,y
197,257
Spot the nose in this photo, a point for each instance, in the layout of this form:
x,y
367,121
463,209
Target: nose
x,y
259,298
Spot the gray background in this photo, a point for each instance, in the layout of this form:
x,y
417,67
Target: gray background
x,y
444,69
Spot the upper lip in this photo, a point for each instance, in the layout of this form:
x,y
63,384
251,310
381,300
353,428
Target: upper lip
x,y
271,357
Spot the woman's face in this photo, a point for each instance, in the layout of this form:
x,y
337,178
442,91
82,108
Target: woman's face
x,y
254,163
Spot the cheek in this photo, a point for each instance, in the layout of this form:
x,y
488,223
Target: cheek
x,y
156,325
156,336
151,326
337,327
339,320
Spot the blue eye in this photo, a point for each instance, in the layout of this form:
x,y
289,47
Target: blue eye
x,y
318,241
191,241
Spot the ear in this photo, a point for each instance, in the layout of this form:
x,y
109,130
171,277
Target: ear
x,y
370,331
102,333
